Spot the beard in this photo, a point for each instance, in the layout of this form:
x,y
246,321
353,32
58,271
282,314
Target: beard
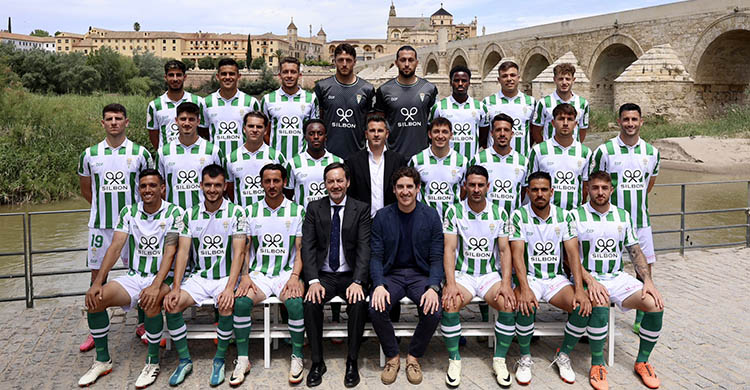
x,y
404,74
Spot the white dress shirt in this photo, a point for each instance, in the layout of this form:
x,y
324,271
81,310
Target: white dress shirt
x,y
377,173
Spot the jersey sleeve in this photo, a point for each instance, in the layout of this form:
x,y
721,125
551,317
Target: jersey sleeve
x,y
249,222
502,229
160,163
599,159
182,224
146,160
123,220
219,157
584,121
300,219
586,165
655,171
631,238
449,222
570,227
151,117
314,112
515,230
83,164
370,98
433,95
264,107
378,103
538,118
239,222
434,112
203,116
532,164
484,115
228,167
290,182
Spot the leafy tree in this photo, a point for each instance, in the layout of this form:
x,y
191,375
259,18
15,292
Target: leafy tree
x,y
189,63
266,83
151,68
206,63
39,33
258,63
136,26
242,64
249,52
115,70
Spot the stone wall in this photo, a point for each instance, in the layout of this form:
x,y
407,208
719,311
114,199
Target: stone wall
x,y
670,100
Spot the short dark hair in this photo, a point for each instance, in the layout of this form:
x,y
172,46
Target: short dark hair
x,y
273,167
289,60
406,172
213,170
539,175
441,121
174,64
114,107
600,175
255,114
336,165
227,61
501,117
507,65
564,108
407,48
345,48
190,108
459,68
629,107
313,121
151,172
378,118
477,170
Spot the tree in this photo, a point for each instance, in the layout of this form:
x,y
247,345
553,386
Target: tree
x,y
115,70
39,33
279,54
242,64
258,63
249,53
189,63
151,69
136,26
266,83
206,63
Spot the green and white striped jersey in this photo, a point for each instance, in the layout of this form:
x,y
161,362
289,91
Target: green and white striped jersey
x,y
601,239
569,168
306,176
507,177
162,112
243,169
224,119
147,232
466,118
211,236
181,167
288,113
543,239
441,178
631,169
521,109
272,233
543,113
114,179
477,252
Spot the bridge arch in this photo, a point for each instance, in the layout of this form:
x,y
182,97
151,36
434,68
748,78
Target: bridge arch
x,y
536,60
432,65
491,56
459,57
611,57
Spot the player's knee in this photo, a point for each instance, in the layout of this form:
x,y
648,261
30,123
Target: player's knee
x,y
152,312
243,306
225,312
293,304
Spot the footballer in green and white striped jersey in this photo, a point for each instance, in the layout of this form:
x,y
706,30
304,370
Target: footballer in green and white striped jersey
x,y
162,112
243,169
477,253
272,235
211,236
521,109
631,169
288,114
543,113
146,234
441,178
568,166
467,118
507,176
306,176
224,119
543,239
602,238
114,178
181,167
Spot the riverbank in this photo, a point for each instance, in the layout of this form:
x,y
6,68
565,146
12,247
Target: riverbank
x,y
705,154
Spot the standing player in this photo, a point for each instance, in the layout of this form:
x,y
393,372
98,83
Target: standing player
x,y
406,102
441,168
161,114
634,165
275,233
565,159
244,163
306,169
603,231
477,263
181,162
345,100
107,173
150,229
468,116
540,233
288,108
519,106
541,126
226,108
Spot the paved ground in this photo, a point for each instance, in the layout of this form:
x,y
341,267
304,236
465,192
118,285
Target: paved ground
x,y
703,344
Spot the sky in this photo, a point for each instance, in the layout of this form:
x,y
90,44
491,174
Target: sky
x,y
339,19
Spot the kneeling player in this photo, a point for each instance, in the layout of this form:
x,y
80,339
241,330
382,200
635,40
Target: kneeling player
x,y
216,228
474,234
151,228
603,231
538,233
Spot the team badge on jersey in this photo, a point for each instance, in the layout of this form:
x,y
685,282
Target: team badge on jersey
x,y
359,98
557,230
421,96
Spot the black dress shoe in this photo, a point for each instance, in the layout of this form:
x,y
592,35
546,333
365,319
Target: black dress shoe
x,y
315,376
351,378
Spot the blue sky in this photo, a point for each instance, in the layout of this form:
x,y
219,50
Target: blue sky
x,y
340,19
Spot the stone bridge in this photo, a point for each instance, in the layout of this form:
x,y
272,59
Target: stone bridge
x,y
682,60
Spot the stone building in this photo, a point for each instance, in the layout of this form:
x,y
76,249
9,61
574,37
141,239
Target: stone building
x,y
28,42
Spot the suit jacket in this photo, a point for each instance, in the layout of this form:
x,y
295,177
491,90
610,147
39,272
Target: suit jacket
x,y
355,237
359,186
427,239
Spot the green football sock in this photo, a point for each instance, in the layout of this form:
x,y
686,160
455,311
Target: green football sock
x,y
296,324
99,328
141,316
505,329
597,330
178,333
484,310
224,334
450,326
649,334
524,331
638,317
243,306
574,329
154,327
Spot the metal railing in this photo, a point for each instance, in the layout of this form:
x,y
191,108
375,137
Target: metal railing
x,y
29,251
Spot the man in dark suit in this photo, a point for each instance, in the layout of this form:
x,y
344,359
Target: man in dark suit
x,y
336,249
407,260
373,167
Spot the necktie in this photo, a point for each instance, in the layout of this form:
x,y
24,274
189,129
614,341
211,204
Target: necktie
x,y
333,249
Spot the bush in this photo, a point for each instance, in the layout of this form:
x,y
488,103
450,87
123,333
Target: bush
x,y
258,63
189,63
266,83
206,63
242,64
